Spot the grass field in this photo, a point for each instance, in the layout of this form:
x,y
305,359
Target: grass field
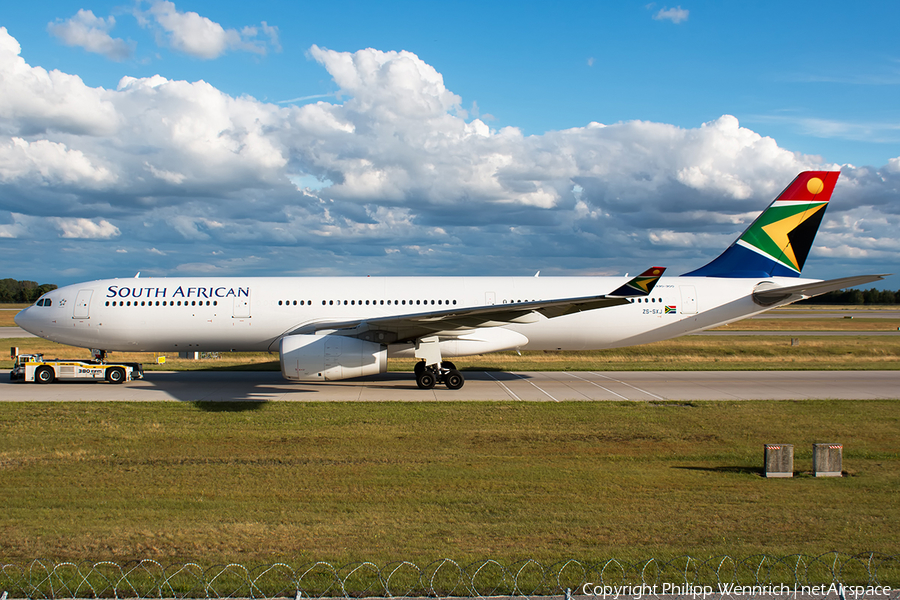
x,y
394,481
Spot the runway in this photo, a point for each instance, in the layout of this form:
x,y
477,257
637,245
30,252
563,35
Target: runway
x,y
543,386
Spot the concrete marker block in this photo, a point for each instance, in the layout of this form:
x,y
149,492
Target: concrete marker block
x,y
828,460
779,460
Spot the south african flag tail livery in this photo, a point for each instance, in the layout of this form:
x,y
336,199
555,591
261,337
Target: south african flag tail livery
x,y
641,285
777,243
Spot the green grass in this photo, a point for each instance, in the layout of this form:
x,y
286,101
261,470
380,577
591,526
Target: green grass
x,y
400,481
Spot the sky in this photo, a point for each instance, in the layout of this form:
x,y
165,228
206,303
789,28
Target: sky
x,y
196,138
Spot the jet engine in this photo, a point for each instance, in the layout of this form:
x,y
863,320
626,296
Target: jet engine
x,y
330,357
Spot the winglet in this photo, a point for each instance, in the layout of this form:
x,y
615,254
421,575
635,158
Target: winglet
x,y
778,241
641,285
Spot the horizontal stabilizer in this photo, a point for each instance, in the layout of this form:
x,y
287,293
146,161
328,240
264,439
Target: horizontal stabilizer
x,y
641,285
767,295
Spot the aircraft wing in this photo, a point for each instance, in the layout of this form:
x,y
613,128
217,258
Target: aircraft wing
x,y
769,295
411,326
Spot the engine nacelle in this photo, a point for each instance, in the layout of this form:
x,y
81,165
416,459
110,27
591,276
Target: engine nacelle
x,y
330,357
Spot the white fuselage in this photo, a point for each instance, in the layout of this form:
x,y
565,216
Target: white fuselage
x,y
253,314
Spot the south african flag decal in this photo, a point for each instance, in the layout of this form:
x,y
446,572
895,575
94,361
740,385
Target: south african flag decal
x,y
670,309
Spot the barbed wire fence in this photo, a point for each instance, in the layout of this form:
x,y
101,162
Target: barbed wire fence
x,y
445,578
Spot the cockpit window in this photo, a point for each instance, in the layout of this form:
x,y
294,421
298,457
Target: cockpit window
x,y
44,302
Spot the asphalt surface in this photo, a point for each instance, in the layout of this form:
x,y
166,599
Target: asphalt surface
x,y
544,386
14,332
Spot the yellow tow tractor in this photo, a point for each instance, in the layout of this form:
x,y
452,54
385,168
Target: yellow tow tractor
x,y
34,367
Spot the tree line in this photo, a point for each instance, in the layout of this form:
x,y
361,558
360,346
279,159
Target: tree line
x,y
22,292
870,296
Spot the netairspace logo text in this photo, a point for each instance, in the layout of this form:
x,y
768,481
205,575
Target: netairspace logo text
x,y
727,590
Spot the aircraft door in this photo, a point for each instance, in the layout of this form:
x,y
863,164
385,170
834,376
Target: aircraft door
x,y
688,300
83,305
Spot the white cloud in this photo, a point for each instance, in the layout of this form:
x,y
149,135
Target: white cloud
x,y
87,229
168,176
885,132
33,100
91,33
44,162
396,178
676,15
193,34
19,228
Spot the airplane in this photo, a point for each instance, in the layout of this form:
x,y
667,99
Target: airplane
x,y
333,328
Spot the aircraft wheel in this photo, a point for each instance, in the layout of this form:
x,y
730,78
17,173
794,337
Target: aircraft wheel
x,y
44,375
419,368
425,380
454,380
446,364
115,375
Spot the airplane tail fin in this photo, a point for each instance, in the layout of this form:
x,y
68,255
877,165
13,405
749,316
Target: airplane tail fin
x,y
778,241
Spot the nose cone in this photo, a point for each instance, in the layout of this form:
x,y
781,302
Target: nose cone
x,y
25,320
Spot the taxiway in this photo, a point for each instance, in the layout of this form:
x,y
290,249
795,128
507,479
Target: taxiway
x,y
541,386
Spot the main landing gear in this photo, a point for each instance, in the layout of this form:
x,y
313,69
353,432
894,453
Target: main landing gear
x,y
444,372
431,369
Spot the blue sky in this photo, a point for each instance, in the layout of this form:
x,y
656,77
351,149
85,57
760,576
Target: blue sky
x,y
437,137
